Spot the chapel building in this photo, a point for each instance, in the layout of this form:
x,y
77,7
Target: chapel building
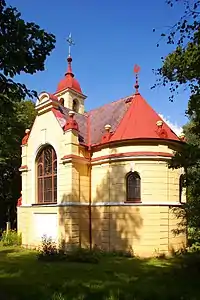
x,y
99,178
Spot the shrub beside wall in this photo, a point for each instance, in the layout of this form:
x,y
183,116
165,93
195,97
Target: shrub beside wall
x,y
11,238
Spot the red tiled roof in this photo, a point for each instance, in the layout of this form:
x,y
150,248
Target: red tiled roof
x,y
139,122
130,118
62,115
111,113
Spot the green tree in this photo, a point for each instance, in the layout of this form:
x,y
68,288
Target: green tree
x,y
10,182
181,68
24,48
189,159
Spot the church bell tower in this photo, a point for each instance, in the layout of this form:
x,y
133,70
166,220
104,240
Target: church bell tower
x,y
68,90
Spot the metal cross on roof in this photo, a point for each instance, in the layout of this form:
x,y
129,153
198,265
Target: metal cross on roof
x,y
70,42
136,71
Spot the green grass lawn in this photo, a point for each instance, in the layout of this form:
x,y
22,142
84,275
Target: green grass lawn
x,y
22,276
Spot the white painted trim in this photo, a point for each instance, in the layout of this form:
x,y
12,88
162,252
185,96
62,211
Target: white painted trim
x,y
46,105
106,204
24,170
72,91
65,160
135,204
106,160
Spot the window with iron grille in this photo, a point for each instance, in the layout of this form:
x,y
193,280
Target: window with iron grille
x,y
133,187
46,165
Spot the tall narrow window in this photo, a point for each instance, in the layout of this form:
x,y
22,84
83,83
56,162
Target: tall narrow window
x,y
133,187
181,184
47,175
75,106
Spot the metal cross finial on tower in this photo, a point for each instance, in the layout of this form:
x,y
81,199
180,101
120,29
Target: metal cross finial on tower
x,y
136,71
70,42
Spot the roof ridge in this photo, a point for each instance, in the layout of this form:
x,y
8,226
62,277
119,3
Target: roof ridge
x,y
125,114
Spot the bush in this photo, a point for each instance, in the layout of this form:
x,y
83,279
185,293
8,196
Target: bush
x,y
83,255
11,238
190,262
49,251
114,252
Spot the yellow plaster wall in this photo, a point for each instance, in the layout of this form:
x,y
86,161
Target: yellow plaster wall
x,y
134,147
46,130
158,183
25,220
176,242
81,181
74,224
144,229
69,96
73,180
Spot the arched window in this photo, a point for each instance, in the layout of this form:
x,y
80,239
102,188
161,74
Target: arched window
x,y
75,106
133,187
181,184
46,165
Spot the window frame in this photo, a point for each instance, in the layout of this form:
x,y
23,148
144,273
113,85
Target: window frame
x,y
135,176
40,179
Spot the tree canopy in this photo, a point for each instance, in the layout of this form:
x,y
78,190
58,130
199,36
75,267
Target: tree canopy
x,y
24,49
182,68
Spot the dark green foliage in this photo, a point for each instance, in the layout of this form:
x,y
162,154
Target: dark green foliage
x,y
118,253
181,68
50,252
83,255
21,117
24,48
189,259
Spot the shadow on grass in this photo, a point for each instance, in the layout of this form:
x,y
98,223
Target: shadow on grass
x,y
22,276
8,250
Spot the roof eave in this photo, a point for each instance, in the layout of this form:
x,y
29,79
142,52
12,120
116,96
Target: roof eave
x,y
117,142
71,89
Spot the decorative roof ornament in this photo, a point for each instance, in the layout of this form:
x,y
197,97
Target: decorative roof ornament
x,y
71,122
106,137
69,81
25,138
182,137
136,71
71,43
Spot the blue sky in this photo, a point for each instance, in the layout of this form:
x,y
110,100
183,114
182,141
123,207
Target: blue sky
x,y
110,36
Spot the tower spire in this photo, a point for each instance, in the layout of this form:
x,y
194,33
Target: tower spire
x,y
69,58
136,71
71,43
